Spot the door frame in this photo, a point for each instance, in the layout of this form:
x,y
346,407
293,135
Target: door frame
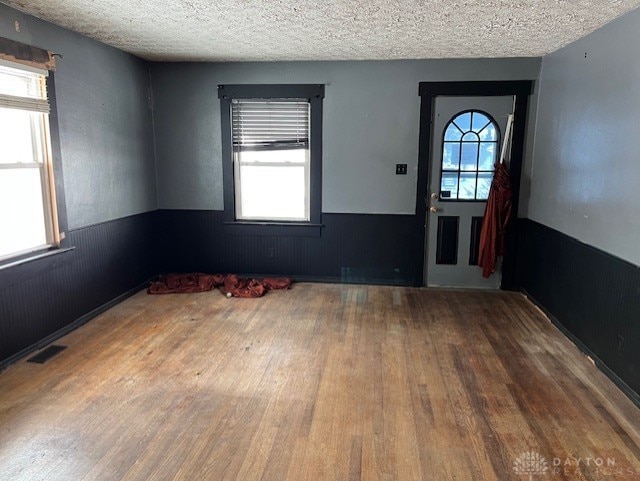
x,y
428,91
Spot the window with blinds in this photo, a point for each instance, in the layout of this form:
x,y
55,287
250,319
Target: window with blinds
x,y
270,124
27,214
271,156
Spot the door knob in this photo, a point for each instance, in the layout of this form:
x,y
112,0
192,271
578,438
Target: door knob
x,y
433,209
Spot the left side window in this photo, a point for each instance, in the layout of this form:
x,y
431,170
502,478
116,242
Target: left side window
x,y
28,218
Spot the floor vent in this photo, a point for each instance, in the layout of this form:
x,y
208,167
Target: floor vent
x,y
46,354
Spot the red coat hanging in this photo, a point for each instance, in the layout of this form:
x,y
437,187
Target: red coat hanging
x,y
494,224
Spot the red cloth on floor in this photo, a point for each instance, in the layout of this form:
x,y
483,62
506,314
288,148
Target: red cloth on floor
x,y
194,282
275,283
496,218
199,282
238,287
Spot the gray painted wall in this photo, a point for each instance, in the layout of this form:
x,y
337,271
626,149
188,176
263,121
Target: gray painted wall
x,y
371,122
586,163
106,130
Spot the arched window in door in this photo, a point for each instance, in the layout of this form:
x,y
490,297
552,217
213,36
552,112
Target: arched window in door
x,y
469,153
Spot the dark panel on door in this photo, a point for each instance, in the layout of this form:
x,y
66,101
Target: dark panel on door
x,y
474,241
447,249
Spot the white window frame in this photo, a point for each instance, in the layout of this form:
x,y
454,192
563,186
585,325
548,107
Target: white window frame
x,y
237,164
42,154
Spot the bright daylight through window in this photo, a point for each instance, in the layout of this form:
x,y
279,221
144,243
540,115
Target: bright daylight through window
x,y
469,153
271,157
27,218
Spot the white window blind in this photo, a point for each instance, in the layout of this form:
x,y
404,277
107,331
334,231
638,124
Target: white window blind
x,y
270,124
23,89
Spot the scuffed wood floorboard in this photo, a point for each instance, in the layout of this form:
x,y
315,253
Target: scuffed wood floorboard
x,y
323,382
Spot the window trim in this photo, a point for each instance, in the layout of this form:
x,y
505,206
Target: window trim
x,y
459,171
56,197
37,109
315,94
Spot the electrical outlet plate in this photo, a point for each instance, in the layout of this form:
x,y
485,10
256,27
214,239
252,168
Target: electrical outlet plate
x,y
401,169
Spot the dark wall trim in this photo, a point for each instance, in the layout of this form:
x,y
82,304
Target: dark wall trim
x,y
271,228
353,248
593,296
477,88
428,91
271,91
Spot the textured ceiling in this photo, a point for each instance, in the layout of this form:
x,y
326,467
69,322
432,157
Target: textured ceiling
x,y
243,30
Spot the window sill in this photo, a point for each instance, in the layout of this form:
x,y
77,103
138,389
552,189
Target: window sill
x,y
445,199
14,271
282,229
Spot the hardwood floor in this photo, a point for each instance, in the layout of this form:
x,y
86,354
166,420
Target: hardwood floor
x,y
323,382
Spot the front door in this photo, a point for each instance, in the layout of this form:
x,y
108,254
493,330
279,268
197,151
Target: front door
x,y
466,140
